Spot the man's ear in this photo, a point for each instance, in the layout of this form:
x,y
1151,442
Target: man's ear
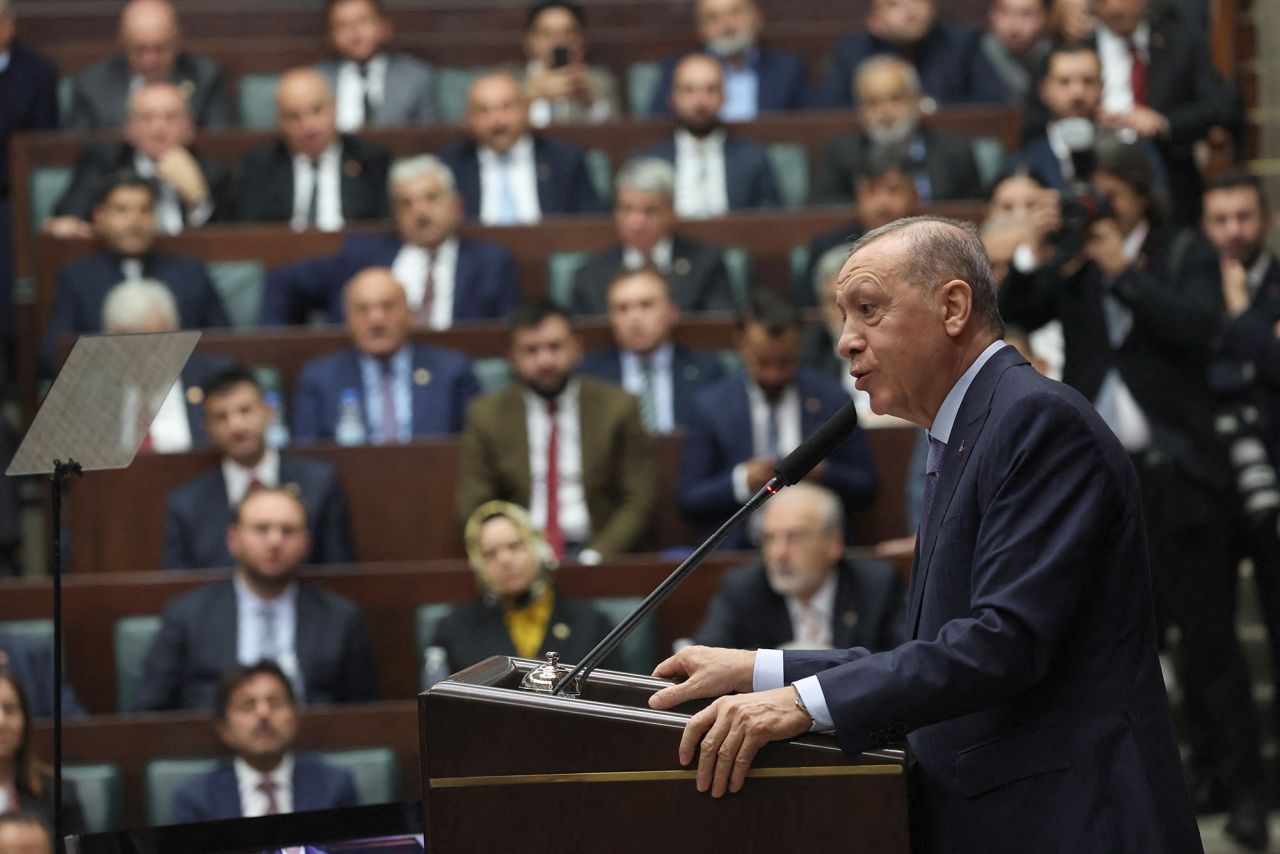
x,y
956,300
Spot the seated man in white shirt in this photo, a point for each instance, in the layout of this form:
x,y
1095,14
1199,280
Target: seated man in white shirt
x,y
257,720
559,84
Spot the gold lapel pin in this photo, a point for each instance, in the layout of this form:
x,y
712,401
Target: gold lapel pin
x,y
421,376
195,395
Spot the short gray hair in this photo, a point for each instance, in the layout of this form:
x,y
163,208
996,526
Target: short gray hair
x,y
888,62
647,175
938,250
828,267
408,168
130,305
830,507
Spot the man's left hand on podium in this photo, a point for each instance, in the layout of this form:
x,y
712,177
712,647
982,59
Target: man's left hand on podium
x,y
732,731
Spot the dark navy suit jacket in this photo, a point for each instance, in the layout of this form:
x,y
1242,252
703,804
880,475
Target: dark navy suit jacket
x,y
1028,688
691,372
718,437
197,516
1037,155
783,83
443,383
485,284
564,184
32,663
213,796
748,175
28,101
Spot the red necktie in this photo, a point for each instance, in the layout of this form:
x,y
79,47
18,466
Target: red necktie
x,y
428,295
254,483
268,788
143,425
1137,75
555,537
390,427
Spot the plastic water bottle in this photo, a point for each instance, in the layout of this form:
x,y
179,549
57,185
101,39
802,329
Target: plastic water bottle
x,y
436,666
277,435
350,428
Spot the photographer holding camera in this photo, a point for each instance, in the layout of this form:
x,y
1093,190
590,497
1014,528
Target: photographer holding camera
x,y
1137,342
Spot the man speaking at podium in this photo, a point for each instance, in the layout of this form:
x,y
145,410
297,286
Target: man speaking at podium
x,y
1028,689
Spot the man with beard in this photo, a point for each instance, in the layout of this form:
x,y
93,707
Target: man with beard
x,y
264,611
889,107
257,720
570,448
757,79
715,172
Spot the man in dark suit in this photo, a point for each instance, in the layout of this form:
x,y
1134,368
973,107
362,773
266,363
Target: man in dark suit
x,y
507,175
1016,43
889,108
400,389
947,55
804,593
758,79
198,513
32,663
740,427
124,222
662,374
715,172
446,277
645,219
1029,689
264,611
151,52
311,176
256,718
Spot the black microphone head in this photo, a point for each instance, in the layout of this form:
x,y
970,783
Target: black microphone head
x,y
823,441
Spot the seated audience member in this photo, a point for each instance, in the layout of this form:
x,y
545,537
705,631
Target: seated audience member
x,y
743,425
23,833
663,375
645,220
151,52
446,277
946,54
401,389
264,611
190,190
519,612
757,79
507,175
568,447
558,84
372,86
803,592
715,172
31,664
1017,43
889,109
26,783
124,221
198,513
311,176
257,720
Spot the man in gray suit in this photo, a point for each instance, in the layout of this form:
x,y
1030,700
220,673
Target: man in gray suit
x,y
373,86
151,51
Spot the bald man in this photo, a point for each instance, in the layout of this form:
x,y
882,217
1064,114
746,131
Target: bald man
x,y
151,51
507,175
311,176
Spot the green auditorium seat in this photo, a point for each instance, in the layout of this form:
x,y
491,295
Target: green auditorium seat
x,y
798,263
639,652
451,91
642,81
425,620
988,152
99,789
48,183
493,373
257,96
790,164
239,285
133,636
600,168
375,769
35,630
163,777
561,267
738,263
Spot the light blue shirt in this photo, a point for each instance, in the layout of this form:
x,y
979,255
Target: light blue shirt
x,y
660,361
741,89
250,629
768,668
402,379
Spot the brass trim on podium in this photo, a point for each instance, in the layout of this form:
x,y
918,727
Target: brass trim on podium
x,y
656,776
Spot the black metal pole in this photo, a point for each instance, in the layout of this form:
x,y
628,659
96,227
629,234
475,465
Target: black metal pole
x,y
61,473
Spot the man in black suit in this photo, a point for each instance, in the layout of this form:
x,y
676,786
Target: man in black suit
x,y
804,593
889,109
507,175
151,45
645,219
264,611
645,360
158,133
311,176
198,512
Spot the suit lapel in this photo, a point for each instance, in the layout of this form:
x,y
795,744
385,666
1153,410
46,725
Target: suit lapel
x,y
422,389
735,183
514,425
226,620
305,633
543,170
845,618
737,414
591,441
226,793
464,272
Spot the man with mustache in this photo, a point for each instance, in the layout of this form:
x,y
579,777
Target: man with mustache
x,y
257,720
889,110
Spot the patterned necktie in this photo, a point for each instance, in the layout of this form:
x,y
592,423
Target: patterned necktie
x,y
809,632
555,537
648,396
1137,75
366,83
428,294
934,465
267,647
268,788
390,425
313,207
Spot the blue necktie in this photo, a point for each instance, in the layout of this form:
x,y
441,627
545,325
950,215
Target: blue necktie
x,y
934,465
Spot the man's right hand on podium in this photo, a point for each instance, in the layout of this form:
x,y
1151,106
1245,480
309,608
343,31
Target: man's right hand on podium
x,y
703,671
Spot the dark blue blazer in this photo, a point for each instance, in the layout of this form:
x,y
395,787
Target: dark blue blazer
x,y
32,663
485,284
197,645
443,383
691,371
1028,688
718,437
215,795
748,175
28,101
953,69
197,516
564,184
83,287
1038,157
783,83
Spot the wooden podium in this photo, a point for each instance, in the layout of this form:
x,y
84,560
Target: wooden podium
x,y
510,770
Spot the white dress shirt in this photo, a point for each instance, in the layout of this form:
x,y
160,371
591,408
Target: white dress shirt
x,y
788,407
329,200
1117,66
660,362
253,801
350,92
660,256
573,517
823,605
238,478
410,269
701,190
520,170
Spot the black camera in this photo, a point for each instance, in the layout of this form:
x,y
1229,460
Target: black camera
x,y
1082,203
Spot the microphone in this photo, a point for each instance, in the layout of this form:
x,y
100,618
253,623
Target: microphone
x,y
789,472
